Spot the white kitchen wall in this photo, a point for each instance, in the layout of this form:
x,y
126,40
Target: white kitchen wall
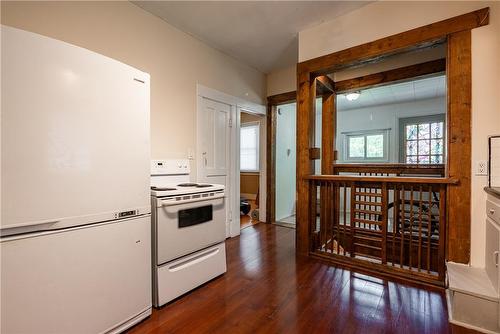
x,y
285,160
175,60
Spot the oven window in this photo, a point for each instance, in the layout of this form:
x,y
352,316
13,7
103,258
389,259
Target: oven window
x,y
195,216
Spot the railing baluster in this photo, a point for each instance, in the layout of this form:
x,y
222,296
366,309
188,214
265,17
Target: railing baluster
x,y
384,201
312,216
395,220
402,226
345,219
442,229
410,258
429,230
420,228
353,218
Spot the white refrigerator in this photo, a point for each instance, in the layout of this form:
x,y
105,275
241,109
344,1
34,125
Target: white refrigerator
x,y
75,209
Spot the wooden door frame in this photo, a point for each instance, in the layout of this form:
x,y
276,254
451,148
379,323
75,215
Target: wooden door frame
x,y
456,32
272,103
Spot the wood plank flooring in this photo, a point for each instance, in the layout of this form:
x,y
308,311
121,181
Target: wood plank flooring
x,y
268,289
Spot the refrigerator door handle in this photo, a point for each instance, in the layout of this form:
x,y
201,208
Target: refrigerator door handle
x,y
41,222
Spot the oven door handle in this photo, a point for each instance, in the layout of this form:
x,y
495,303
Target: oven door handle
x,y
172,201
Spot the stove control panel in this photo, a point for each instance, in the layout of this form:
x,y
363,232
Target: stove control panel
x,y
170,167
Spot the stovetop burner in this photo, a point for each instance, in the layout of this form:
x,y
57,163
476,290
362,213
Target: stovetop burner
x,y
203,185
162,189
187,185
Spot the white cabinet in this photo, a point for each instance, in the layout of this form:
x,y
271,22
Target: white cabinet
x,y
492,251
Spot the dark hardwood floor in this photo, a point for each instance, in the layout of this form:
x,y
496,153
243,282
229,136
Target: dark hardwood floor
x,y
268,289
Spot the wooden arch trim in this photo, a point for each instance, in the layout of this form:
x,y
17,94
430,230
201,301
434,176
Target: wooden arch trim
x,y
456,31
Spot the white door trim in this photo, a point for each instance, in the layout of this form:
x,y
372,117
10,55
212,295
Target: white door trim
x,y
237,105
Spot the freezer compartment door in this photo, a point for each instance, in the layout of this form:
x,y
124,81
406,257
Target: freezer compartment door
x,y
80,280
175,278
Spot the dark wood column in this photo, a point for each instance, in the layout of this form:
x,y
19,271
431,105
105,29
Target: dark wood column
x,y
306,94
459,145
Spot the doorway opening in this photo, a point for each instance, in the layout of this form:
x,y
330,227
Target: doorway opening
x,y
285,170
251,139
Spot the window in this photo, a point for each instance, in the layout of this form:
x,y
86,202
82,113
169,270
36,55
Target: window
x,y
422,139
249,147
366,145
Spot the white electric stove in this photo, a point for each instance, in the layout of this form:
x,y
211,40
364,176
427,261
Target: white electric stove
x,y
189,230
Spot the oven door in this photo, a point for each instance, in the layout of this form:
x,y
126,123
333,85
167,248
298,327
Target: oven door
x,y
185,226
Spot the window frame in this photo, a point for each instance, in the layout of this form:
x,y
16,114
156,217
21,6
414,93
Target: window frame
x,y
365,133
257,147
404,121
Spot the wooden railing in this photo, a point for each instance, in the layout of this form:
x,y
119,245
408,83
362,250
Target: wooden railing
x,y
389,225
386,169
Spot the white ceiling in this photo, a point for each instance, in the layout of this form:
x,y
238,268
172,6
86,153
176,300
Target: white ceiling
x,y
262,34
421,89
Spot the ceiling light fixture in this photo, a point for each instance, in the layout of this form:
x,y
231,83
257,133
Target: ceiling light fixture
x,y
352,96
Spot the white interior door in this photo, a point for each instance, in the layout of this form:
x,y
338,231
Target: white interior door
x,y
214,122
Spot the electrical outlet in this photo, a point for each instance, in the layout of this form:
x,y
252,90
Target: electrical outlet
x,y
482,167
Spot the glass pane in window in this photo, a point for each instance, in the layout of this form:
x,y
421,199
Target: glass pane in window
x,y
436,146
423,147
423,159
356,147
437,130
411,132
437,159
249,147
423,131
248,162
249,137
411,147
375,146
411,159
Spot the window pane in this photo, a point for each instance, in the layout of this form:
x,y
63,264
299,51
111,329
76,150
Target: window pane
x,y
411,159
423,159
423,131
249,137
248,162
436,146
411,132
375,146
356,147
411,147
437,159
423,147
249,147
437,130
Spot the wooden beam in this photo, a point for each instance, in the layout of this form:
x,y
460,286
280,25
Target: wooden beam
x,y
272,102
328,132
399,74
305,140
271,164
324,85
283,98
459,145
314,153
405,41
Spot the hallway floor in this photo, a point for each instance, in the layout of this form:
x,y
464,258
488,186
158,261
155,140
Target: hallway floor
x,y
268,289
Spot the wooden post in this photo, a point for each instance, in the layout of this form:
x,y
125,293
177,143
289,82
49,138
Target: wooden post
x,y
271,163
306,93
459,145
328,133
